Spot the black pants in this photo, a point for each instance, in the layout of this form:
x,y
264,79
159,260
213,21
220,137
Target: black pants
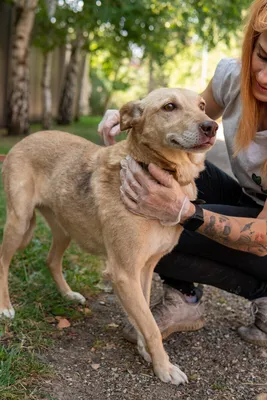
x,y
199,259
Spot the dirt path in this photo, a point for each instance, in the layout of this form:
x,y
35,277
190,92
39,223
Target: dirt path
x,y
93,361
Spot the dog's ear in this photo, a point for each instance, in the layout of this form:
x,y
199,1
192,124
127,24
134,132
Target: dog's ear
x,y
130,114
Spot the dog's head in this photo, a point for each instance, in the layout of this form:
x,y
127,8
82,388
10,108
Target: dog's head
x,y
174,118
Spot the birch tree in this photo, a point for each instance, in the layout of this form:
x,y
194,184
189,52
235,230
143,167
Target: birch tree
x,y
18,96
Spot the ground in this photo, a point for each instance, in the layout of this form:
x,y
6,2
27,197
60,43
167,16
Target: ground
x,y
90,359
93,361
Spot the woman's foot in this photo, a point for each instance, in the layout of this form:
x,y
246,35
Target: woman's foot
x,y
173,314
257,332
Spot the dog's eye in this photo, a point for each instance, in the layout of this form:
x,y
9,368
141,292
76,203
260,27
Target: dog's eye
x,y
202,106
169,107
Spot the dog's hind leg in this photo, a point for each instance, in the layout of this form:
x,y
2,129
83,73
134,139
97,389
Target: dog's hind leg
x,y
27,237
17,233
127,284
60,243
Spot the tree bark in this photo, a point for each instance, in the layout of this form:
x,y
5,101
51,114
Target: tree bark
x,y
47,95
18,97
107,100
84,90
65,111
110,93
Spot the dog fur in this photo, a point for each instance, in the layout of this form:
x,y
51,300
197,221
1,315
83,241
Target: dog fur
x,y
75,185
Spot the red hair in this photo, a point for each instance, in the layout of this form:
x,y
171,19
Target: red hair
x,y
248,125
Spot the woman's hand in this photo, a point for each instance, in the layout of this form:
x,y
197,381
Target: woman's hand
x,y
154,196
109,126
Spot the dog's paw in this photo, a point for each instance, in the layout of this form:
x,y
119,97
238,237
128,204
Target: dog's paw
x,y
7,313
75,296
171,373
142,351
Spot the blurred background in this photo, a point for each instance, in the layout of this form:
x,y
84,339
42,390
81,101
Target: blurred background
x,y
64,62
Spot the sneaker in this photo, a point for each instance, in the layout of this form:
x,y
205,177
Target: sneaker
x,y
256,333
173,314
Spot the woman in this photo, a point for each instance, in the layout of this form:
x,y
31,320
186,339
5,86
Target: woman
x,y
224,243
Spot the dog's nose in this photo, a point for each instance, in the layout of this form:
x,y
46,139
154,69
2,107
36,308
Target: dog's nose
x,y
209,128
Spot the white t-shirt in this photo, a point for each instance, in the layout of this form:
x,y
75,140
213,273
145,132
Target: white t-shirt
x,y
247,165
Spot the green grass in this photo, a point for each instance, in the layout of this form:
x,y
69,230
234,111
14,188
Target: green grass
x,y
36,300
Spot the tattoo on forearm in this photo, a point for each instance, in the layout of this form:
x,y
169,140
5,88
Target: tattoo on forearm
x,y
247,227
229,231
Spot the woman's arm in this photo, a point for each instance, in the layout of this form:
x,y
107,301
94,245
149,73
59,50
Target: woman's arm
x,y
245,234
213,110
162,198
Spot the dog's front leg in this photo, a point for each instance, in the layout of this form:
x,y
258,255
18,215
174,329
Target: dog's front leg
x,y
129,291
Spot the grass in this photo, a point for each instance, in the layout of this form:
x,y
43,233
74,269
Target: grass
x,y
35,298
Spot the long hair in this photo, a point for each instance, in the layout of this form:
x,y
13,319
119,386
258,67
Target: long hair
x,y
257,23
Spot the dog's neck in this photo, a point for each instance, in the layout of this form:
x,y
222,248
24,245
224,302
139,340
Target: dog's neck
x,y
172,161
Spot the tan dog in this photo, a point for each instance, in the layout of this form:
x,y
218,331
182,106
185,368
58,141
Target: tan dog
x,y
75,184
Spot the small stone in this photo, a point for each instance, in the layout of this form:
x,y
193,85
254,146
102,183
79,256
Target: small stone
x,y
113,325
95,366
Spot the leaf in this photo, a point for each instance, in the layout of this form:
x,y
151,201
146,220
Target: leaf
x,y
62,323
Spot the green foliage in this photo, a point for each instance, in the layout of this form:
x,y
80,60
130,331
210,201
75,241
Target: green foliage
x,y
115,30
49,32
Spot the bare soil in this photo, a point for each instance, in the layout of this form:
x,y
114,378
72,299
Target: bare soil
x,y
92,360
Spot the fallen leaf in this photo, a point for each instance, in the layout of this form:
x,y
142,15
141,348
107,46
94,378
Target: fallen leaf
x,y
63,323
87,310
95,366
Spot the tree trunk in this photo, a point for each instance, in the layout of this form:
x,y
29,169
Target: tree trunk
x,y
47,95
18,98
110,93
65,111
84,90
107,100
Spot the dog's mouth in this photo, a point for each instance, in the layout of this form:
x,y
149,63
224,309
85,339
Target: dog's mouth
x,y
206,143
203,143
